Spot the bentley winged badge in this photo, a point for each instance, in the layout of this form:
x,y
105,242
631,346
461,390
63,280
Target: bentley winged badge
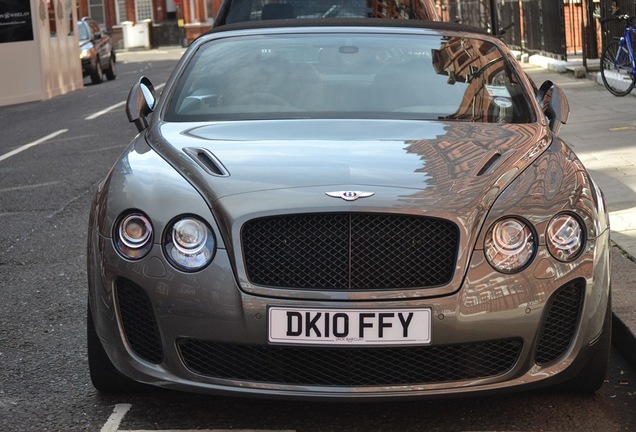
x,y
350,195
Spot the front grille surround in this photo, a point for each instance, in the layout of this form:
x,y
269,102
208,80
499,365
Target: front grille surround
x,y
349,367
350,251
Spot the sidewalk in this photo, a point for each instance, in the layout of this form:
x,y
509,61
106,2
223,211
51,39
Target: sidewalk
x,y
602,131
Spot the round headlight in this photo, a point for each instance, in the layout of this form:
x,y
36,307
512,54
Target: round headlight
x,y
189,244
133,236
509,245
189,235
564,237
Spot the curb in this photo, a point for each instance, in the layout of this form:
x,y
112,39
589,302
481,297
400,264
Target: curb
x,y
623,340
623,337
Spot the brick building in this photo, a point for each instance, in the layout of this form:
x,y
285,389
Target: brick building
x,y
168,22
179,22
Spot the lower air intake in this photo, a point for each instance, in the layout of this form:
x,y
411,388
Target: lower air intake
x,y
559,328
138,320
349,366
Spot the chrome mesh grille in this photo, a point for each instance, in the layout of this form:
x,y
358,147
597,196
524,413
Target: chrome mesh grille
x,y
138,320
350,251
349,366
561,322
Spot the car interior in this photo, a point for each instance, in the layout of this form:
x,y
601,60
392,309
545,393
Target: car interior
x,y
349,77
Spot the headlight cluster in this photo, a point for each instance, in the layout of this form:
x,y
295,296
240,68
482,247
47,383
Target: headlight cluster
x,y
133,236
565,237
188,242
86,53
511,243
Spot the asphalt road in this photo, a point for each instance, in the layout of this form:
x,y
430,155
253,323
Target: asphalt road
x,y
46,186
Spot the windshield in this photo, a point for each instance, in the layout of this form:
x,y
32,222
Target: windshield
x,y
351,75
83,31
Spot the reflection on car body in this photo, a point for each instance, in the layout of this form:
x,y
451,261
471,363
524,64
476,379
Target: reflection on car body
x,y
358,210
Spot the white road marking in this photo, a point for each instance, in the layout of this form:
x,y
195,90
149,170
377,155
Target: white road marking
x,y
112,107
27,187
113,422
120,410
104,111
33,144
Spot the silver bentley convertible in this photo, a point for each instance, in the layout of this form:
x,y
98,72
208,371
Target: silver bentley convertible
x,y
348,209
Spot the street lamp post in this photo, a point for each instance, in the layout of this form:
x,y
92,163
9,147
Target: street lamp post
x,y
494,22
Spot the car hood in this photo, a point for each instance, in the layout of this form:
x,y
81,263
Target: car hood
x,y
436,165
449,170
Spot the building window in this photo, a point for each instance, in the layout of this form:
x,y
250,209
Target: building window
x,y
120,11
96,10
51,12
143,9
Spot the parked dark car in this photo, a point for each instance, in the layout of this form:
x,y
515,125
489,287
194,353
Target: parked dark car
x,y
96,52
348,209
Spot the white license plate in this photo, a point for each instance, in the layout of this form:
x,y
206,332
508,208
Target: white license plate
x,y
349,326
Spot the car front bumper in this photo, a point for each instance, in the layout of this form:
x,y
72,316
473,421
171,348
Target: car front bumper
x,y
201,332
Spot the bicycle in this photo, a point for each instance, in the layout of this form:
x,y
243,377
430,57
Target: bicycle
x,y
618,66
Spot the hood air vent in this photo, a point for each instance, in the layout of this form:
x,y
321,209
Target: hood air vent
x,y
491,161
489,164
207,161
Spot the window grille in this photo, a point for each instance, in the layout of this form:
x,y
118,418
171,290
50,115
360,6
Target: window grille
x,y
120,11
96,10
143,9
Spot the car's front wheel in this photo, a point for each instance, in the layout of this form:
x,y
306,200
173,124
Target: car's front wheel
x,y
97,75
111,72
104,376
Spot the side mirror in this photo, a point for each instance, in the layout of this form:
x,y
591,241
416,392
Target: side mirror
x,y
554,104
140,103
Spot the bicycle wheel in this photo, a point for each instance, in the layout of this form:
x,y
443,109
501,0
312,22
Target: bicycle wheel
x,y
616,69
